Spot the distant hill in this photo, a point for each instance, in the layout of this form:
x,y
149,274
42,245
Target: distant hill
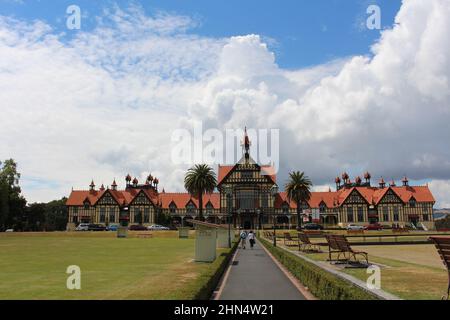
x,y
441,213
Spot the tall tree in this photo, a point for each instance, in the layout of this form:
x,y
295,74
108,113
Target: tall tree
x,y
199,180
298,189
12,203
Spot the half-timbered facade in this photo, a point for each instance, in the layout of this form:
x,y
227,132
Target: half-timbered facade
x,y
247,196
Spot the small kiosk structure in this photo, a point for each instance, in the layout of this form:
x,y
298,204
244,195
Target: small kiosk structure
x,y
209,236
183,232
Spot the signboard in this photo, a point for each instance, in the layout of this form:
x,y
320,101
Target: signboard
x,y
205,243
183,232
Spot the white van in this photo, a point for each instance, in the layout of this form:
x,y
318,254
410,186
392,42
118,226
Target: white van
x,y
82,227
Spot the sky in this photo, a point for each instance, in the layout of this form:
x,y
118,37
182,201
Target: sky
x,y
104,100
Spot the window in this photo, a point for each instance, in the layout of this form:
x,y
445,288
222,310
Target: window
x,y
102,214
385,214
425,217
86,205
247,175
246,200
396,214
146,215
75,210
322,208
412,203
75,219
285,208
112,215
137,215
360,214
172,208
209,208
190,208
265,200
349,214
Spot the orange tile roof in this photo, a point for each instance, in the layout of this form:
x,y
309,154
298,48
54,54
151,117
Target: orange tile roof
x,y
332,199
265,170
223,172
420,193
77,198
182,199
123,197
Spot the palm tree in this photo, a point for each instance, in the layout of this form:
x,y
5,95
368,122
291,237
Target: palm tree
x,y
199,180
298,189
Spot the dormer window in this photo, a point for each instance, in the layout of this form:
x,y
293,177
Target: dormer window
x,y
190,208
209,208
322,208
285,208
86,205
412,203
172,208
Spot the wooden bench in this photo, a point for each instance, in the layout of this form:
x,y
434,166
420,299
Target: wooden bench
x,y
289,241
340,245
355,232
443,246
144,235
313,232
268,235
305,245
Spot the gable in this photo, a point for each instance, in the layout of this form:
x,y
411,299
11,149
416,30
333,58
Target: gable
x,y
390,197
141,199
107,199
355,198
245,173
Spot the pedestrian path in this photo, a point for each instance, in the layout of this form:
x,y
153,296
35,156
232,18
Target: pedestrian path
x,y
255,276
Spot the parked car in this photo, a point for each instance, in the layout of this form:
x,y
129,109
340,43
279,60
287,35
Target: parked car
x,y
352,226
313,226
112,227
9,230
96,227
157,227
82,227
137,227
374,226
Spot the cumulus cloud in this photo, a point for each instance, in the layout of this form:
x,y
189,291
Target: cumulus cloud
x,y
106,102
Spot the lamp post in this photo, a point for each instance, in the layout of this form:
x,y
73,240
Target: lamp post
x,y
274,192
258,211
229,207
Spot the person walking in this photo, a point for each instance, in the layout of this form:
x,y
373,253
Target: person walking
x,y
252,239
243,239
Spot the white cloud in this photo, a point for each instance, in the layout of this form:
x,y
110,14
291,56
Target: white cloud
x,y
106,102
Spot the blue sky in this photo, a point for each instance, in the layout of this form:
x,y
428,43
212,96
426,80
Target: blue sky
x,y
301,33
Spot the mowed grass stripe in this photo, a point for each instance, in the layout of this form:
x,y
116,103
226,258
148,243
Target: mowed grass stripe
x,y
159,268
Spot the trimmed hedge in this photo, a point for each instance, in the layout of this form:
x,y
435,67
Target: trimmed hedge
x,y
322,284
208,281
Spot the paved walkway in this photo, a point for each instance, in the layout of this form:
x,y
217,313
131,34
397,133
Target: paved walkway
x,y
254,276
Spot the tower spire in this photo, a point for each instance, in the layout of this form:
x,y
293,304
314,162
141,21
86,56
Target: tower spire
x,y
246,145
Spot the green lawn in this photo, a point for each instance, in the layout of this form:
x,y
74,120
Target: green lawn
x,y
34,267
408,271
